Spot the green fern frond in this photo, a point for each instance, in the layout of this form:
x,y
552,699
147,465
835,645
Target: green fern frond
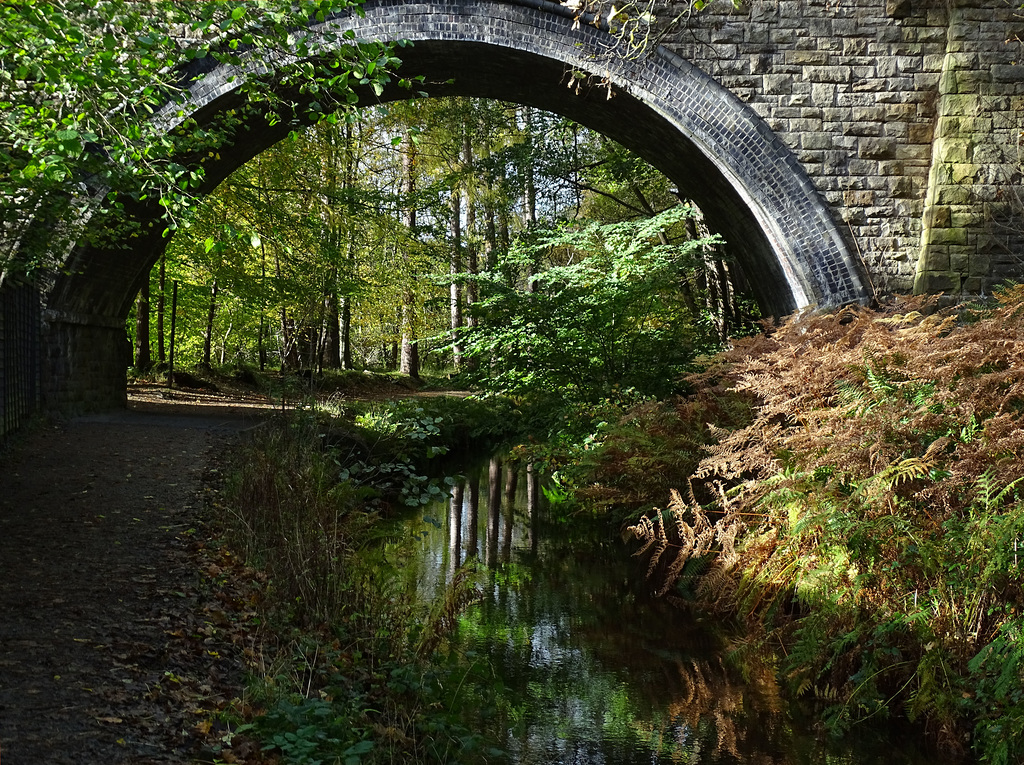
x,y
461,593
985,491
878,382
909,469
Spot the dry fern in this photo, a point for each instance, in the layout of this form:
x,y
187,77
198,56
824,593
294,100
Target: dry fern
x,y
693,538
862,393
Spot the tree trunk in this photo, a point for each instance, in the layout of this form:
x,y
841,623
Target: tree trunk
x,y
350,255
143,359
261,333
289,353
690,282
410,341
455,268
529,202
530,198
504,232
530,185
337,224
346,333
332,330
491,238
161,279
725,290
472,261
311,336
490,225
224,342
261,343
686,290
210,316
410,357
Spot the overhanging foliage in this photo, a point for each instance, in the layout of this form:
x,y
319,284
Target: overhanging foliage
x,y
92,94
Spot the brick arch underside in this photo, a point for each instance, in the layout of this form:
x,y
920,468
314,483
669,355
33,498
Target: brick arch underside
x,y
749,185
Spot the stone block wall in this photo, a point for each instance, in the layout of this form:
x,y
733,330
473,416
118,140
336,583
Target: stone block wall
x,y
84,365
907,116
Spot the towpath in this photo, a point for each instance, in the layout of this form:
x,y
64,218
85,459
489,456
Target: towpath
x,y
110,651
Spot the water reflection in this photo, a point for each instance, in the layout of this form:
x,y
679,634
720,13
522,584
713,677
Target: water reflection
x,y
587,668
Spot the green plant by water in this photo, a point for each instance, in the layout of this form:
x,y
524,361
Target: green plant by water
x,y
352,669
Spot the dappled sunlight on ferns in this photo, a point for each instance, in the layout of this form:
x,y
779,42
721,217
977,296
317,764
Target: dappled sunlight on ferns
x,y
868,514
691,536
855,392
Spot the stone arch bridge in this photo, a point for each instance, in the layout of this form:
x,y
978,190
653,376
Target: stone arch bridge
x,y
844,148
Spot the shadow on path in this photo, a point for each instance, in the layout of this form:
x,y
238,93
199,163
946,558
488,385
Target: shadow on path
x,y
107,651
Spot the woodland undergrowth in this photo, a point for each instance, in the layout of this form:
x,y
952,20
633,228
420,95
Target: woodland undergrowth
x,y
348,668
855,497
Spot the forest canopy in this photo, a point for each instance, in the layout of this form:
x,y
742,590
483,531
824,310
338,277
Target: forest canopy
x,y
492,239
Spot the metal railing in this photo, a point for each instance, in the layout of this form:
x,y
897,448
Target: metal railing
x,y
19,354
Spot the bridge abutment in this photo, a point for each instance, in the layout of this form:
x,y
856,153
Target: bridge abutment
x,y
906,116
971,232
84,363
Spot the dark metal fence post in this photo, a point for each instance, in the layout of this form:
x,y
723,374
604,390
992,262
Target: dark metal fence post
x,y
19,354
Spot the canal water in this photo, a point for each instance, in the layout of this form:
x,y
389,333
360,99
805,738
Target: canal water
x,y
569,660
